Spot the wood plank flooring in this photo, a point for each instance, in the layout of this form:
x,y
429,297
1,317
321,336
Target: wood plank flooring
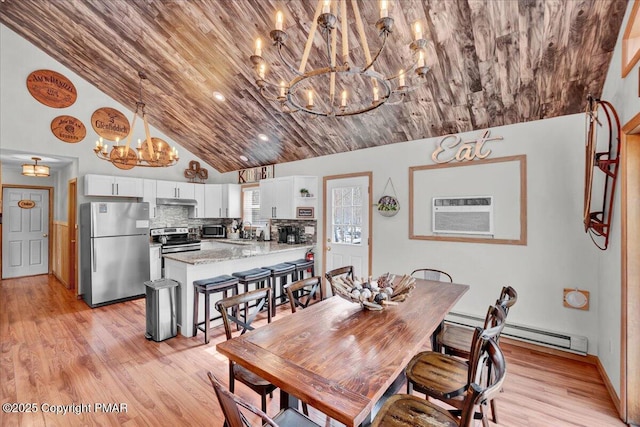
x,y
57,351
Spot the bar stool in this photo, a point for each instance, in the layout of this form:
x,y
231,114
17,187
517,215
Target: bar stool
x,y
301,266
281,271
207,287
259,276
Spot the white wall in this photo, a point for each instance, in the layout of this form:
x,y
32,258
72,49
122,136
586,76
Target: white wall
x,y
622,93
559,254
25,123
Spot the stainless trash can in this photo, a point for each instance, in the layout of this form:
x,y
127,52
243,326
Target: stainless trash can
x,y
161,309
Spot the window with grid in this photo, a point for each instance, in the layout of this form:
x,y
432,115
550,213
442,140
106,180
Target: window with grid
x,y
251,207
346,219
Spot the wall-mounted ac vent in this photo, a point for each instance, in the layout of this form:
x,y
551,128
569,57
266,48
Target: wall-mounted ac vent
x,y
571,343
462,215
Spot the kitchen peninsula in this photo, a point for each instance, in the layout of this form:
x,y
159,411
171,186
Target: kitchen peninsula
x,y
222,258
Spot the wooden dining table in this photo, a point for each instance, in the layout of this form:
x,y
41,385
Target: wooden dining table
x,y
339,357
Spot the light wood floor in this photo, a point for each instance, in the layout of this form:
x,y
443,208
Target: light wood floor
x,y
57,351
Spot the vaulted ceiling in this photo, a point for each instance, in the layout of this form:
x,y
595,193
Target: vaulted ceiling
x,y
491,63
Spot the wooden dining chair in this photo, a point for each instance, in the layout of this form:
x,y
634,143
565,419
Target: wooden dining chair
x,y
231,408
346,271
445,377
456,340
229,308
303,293
407,410
437,276
432,274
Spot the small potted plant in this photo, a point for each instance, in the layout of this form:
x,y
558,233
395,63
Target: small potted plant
x,y
388,206
304,192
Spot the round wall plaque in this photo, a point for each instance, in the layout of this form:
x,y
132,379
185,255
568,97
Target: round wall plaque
x,y
51,88
110,123
68,129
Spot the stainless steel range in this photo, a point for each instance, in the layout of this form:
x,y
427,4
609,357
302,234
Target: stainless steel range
x,y
174,239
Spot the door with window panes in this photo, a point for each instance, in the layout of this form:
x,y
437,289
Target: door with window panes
x,y
347,224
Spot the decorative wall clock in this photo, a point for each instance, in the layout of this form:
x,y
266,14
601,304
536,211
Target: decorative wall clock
x,y
51,88
68,129
602,151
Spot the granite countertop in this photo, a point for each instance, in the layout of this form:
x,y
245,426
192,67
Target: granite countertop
x,y
228,251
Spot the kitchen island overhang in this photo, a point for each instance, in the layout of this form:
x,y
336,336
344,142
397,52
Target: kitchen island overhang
x,y
225,258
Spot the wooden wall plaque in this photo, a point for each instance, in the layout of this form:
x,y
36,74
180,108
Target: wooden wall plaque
x,y
51,88
303,212
26,204
110,123
68,129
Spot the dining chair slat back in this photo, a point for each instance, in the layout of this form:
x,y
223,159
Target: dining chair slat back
x,y
432,274
346,271
303,293
230,309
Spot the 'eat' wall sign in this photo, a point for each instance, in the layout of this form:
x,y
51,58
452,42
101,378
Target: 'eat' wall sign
x,y
452,147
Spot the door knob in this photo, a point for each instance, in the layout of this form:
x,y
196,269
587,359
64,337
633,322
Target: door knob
x,y
45,235
328,248
328,239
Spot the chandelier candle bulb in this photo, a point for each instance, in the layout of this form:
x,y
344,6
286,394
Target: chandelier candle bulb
x,y
401,79
282,89
139,143
344,98
279,20
258,51
105,148
375,94
326,8
418,31
310,105
384,9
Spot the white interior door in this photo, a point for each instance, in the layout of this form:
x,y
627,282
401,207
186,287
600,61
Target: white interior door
x,y
25,236
347,207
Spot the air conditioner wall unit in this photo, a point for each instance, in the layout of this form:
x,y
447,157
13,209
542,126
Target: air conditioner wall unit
x,y
571,343
462,215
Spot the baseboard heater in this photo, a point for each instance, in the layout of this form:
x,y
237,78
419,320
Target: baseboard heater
x,y
572,343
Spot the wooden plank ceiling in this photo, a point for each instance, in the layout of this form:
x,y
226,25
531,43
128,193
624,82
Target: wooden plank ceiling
x,y
492,63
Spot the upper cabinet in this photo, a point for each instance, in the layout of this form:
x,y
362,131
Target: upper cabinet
x,y
175,190
149,195
107,185
280,197
198,211
222,201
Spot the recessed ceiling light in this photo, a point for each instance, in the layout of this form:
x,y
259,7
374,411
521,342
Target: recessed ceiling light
x,y
263,137
244,158
220,97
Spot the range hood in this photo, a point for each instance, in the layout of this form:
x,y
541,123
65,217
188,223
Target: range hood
x,y
176,202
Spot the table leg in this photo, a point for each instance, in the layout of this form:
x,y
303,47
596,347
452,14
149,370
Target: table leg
x,y
288,401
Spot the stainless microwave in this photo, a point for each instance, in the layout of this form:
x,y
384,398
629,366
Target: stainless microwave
x,y
214,231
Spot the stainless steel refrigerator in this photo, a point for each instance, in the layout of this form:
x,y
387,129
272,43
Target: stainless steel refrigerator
x,y
114,251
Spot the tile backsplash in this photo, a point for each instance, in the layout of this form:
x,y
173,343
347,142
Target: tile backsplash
x,y
178,216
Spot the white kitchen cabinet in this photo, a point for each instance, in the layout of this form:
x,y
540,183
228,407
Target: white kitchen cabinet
x,y
175,190
279,197
149,196
155,262
231,200
198,211
108,185
222,201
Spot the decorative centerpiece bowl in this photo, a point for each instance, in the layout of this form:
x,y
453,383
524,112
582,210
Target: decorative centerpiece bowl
x,y
374,294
